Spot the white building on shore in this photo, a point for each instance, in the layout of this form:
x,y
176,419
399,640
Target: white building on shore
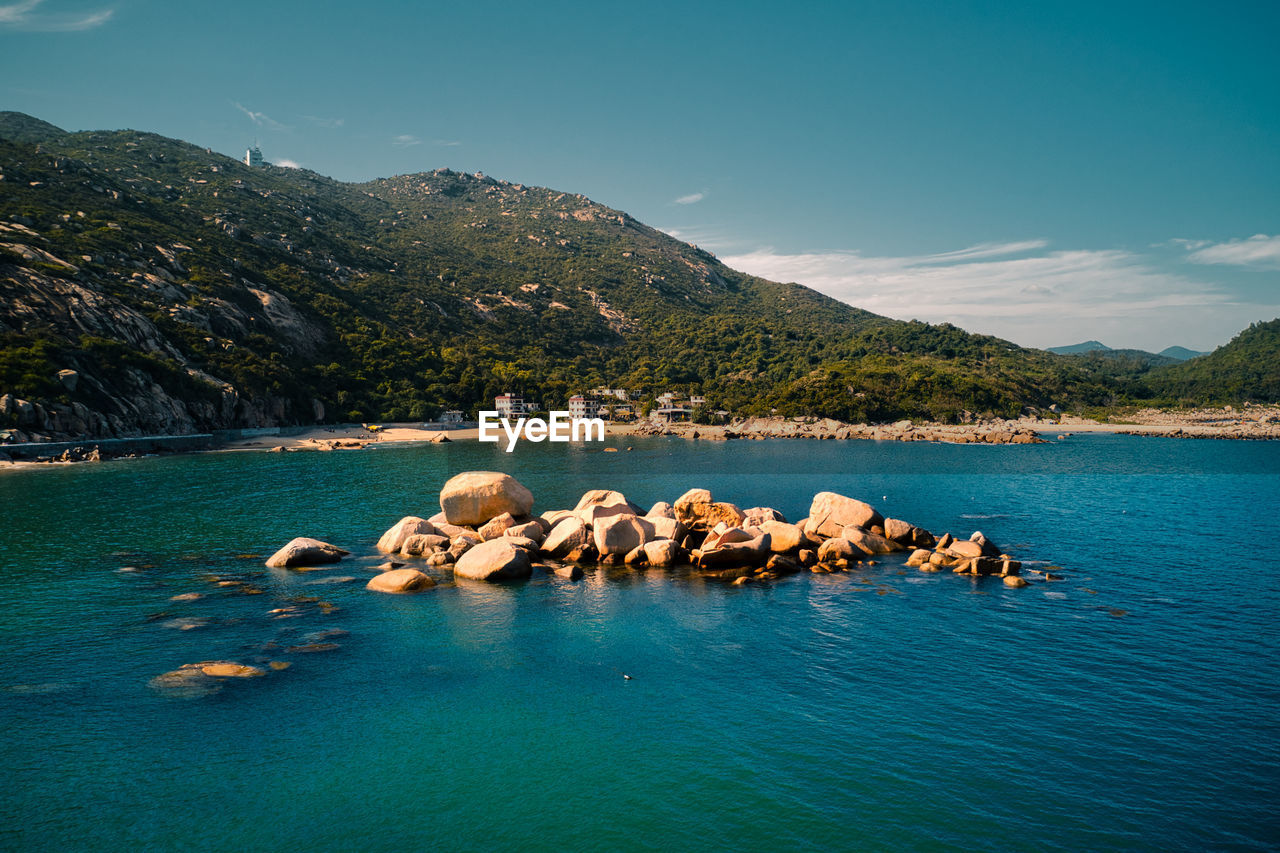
x,y
582,407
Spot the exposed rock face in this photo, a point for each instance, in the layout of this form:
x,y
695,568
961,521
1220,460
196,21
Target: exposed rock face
x,y
529,530
758,515
393,539
898,530
619,534
400,580
606,498
495,560
569,534
661,553
752,552
551,518
697,511
868,542
666,528
830,513
964,549
305,552
496,526
989,548
422,544
837,550
661,509
784,537
474,497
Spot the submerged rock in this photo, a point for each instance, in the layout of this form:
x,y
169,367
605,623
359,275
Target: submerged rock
x,y
230,669
400,580
305,552
195,680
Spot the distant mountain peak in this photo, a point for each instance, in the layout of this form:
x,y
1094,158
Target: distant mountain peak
x,y
1180,353
1087,346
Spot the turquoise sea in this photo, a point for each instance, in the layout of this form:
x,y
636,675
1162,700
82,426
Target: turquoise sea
x,y
1134,705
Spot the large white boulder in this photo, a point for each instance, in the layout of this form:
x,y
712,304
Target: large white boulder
x,y
473,497
620,534
830,513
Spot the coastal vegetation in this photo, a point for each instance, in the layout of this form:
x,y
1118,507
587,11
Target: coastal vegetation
x,y
174,290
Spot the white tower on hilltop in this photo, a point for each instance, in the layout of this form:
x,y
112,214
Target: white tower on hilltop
x,y
253,157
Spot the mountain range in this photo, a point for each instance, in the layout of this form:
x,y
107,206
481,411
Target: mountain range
x,y
1172,354
152,285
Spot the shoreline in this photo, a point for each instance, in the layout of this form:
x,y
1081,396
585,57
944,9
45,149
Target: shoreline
x,y
1252,423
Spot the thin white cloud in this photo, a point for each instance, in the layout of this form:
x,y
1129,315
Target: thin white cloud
x,y
19,16
405,140
260,119
288,164
1258,251
1020,292
1182,243
325,122
448,143
984,250
17,12
691,198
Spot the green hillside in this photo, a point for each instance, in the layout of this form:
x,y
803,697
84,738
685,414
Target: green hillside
x,y
189,291
1246,369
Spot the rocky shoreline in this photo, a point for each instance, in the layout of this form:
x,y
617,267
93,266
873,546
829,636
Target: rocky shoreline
x,y
982,432
1250,422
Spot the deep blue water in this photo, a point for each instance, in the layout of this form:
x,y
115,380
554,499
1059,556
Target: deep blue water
x,y
1133,705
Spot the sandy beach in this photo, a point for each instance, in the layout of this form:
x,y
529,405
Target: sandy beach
x,y
1257,422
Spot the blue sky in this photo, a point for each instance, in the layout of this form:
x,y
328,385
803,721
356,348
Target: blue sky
x,y
1047,172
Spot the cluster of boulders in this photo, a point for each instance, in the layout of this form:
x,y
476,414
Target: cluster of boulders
x,y
976,555
486,531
